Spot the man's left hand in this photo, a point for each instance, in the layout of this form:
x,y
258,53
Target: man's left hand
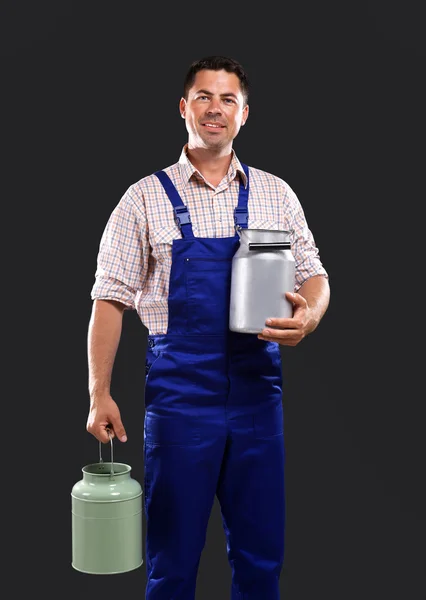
x,y
289,332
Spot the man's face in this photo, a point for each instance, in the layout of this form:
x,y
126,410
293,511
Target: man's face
x,y
214,111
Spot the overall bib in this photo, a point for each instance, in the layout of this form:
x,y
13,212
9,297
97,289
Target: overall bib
x,y
213,426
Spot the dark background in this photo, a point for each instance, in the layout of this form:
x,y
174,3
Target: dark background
x,y
90,106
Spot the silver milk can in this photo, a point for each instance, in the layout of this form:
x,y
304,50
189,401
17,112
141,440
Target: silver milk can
x,y
263,269
106,519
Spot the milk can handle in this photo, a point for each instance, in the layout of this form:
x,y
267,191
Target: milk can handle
x,y
112,455
269,246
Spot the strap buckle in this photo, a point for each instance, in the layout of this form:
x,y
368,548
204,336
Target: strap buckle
x,y
182,216
240,217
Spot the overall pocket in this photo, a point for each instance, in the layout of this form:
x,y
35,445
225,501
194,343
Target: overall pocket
x,y
170,430
208,286
269,422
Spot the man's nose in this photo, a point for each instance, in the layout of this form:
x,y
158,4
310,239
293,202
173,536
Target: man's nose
x,y
214,107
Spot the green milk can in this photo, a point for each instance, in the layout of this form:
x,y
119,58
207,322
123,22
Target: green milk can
x,y
106,519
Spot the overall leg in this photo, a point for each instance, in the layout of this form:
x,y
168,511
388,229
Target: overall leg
x,y
184,433
252,499
179,486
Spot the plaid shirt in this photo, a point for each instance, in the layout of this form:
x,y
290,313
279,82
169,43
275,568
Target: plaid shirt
x,y
134,259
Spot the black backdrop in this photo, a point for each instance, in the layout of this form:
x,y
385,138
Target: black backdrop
x,y
90,107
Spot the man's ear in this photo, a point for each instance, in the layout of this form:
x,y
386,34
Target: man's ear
x,y
182,107
245,114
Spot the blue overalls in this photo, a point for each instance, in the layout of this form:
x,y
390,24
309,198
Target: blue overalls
x,y
213,425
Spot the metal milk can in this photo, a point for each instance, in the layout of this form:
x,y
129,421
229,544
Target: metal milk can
x,y
106,519
263,269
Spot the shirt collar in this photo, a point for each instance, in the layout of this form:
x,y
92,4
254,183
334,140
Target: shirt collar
x,y
187,169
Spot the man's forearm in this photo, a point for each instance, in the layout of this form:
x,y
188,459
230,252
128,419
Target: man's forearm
x,y
316,291
102,343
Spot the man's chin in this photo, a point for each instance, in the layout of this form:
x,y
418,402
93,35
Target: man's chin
x,y
213,144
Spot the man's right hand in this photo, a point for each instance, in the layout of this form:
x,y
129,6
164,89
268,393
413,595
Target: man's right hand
x,y
104,415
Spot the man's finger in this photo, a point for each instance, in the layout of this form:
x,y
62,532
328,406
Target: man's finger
x,y
296,299
104,433
281,323
275,334
119,430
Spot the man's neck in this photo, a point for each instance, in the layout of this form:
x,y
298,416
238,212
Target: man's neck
x,y
213,166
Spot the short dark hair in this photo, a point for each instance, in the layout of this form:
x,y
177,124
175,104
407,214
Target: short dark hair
x,y
217,63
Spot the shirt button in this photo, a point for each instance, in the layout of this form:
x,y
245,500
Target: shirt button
x,y
151,343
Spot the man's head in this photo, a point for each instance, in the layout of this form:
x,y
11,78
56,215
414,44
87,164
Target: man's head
x,y
215,102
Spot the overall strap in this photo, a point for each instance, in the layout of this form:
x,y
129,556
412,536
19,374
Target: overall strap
x,y
182,216
241,211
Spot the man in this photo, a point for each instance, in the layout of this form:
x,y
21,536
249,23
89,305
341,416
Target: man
x,y
213,398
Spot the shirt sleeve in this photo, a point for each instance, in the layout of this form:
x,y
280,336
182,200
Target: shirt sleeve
x,y
122,261
305,252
